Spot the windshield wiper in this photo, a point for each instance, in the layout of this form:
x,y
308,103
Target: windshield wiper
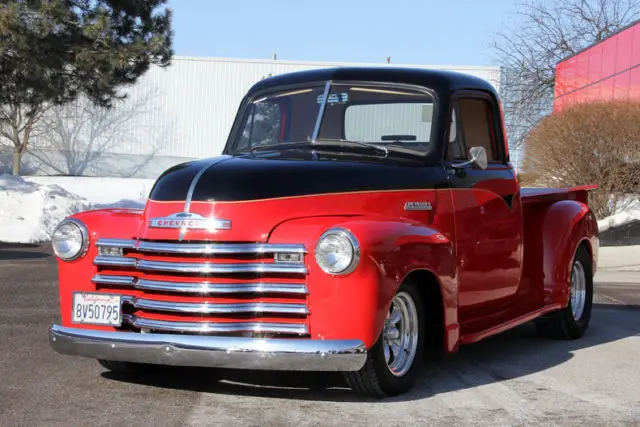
x,y
346,142
382,151
321,143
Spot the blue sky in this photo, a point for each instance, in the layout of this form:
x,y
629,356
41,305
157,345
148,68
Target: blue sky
x,y
458,32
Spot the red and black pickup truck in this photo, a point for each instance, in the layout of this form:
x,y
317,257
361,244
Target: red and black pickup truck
x,y
355,217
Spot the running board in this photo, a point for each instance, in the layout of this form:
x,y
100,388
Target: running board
x,y
477,336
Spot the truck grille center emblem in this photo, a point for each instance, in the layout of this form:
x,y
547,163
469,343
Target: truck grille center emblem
x,y
191,221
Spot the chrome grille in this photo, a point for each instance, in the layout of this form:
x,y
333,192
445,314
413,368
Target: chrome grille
x,y
200,268
206,288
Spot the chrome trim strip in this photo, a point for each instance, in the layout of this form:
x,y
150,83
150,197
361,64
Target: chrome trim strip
x,y
291,354
206,288
113,280
215,308
216,327
220,248
114,261
192,186
215,268
316,128
117,243
196,178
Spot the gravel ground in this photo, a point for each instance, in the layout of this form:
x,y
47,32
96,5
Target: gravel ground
x,y
514,378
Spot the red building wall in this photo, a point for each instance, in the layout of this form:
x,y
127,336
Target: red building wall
x,y
606,71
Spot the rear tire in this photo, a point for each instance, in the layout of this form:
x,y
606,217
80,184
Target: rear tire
x,y
394,361
572,321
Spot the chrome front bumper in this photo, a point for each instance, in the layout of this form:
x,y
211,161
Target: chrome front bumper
x,y
211,351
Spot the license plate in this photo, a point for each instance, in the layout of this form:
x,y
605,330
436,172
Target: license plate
x,y
97,309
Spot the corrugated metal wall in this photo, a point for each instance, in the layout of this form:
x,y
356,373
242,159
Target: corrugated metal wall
x,y
172,115
195,100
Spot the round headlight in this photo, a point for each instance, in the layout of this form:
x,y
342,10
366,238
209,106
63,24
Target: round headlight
x,y
70,239
337,251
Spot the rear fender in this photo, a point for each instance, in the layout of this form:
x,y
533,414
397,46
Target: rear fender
x,y
355,305
566,225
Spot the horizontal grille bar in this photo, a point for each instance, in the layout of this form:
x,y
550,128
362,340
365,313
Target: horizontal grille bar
x,y
204,248
217,248
117,243
113,280
203,288
198,267
204,327
207,267
211,308
114,261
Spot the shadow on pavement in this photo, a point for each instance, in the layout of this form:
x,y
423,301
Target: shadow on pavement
x,y
510,355
23,251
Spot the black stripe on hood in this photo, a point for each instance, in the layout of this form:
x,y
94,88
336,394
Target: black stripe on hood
x,y
249,178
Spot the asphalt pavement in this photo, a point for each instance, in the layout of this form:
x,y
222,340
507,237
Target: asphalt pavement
x,y
514,378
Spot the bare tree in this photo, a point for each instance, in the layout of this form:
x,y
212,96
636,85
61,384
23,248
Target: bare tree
x,y
74,137
18,123
543,33
590,143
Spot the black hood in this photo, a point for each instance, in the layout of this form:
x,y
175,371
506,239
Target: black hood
x,y
228,178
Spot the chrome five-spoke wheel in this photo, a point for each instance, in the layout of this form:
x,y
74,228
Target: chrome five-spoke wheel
x,y
394,360
400,334
572,321
578,290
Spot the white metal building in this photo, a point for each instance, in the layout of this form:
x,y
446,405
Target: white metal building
x,y
174,114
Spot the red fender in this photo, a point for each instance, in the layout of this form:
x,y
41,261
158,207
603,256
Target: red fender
x,y
354,306
566,225
75,276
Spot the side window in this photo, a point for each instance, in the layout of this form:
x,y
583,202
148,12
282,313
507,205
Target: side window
x,y
476,125
456,149
262,126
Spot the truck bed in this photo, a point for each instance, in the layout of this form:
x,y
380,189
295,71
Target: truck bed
x,y
540,195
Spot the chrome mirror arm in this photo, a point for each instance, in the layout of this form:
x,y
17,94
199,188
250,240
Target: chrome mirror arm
x,y
478,158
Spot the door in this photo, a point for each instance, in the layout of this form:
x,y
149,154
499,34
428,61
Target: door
x,y
486,202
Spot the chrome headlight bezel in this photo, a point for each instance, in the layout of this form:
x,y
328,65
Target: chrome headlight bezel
x,y
84,233
346,236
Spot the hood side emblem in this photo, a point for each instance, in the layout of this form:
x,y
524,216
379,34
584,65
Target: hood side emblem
x,y
190,221
418,206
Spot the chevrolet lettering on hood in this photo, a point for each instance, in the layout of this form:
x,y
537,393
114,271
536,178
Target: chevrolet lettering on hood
x,y
191,221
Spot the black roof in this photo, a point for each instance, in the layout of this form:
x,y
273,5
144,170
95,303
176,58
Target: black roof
x,y
441,81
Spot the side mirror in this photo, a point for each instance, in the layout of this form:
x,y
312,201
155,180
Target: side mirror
x,y
478,158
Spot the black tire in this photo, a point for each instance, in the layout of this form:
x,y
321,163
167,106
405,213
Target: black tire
x,y
375,379
561,324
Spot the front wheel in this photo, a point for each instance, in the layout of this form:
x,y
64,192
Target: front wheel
x,y
393,362
572,321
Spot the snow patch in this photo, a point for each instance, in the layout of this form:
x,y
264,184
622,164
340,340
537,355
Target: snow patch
x,y
629,214
30,211
100,190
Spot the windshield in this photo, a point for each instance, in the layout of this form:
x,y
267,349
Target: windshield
x,y
385,115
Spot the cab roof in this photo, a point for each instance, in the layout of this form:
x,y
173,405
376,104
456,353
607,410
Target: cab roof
x,y
442,81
